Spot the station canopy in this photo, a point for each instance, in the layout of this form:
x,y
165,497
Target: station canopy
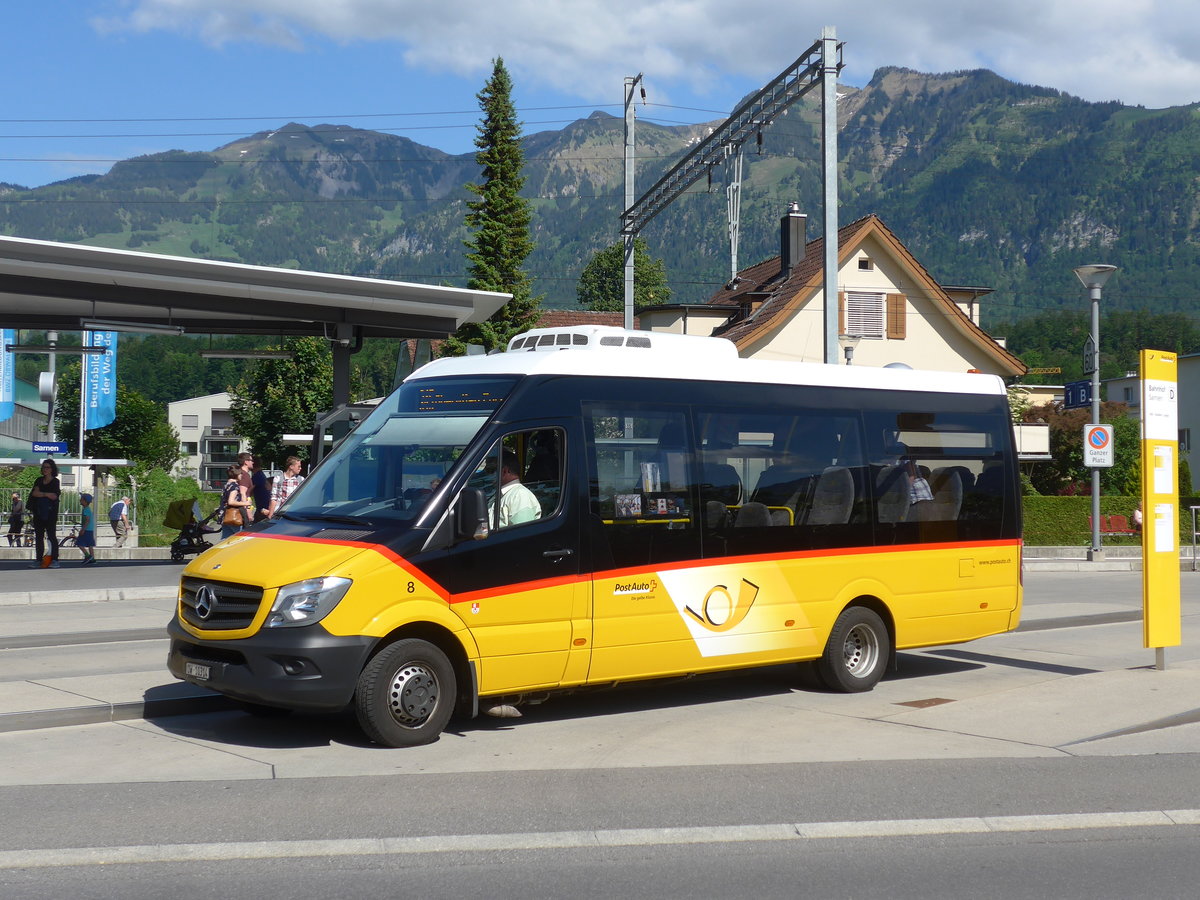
x,y
46,285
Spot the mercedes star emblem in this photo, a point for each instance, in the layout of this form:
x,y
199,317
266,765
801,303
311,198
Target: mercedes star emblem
x,y
206,602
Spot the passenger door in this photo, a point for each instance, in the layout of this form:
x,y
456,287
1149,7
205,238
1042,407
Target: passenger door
x,y
645,518
519,589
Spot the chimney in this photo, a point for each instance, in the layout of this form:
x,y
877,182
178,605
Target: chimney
x,y
792,229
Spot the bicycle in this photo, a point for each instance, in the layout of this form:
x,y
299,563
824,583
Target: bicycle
x,y
69,540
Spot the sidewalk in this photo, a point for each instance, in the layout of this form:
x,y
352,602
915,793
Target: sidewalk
x,y
1073,679
1117,558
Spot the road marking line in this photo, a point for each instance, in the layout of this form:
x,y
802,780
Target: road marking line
x,y
567,840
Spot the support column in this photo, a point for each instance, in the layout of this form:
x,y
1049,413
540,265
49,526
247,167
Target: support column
x,y
829,173
630,160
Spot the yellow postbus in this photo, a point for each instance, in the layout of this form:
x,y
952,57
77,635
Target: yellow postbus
x,y
595,506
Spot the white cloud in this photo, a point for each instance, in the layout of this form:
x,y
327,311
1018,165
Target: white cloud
x,y
1137,51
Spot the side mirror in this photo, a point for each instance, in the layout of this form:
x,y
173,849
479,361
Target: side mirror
x,y
471,515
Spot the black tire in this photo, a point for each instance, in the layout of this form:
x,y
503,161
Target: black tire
x,y
808,673
405,694
857,652
176,555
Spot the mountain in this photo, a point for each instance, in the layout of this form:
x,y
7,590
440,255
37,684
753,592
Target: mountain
x,y
988,182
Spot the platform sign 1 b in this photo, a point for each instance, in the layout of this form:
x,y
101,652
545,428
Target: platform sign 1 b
x,y
1098,446
1077,394
1162,611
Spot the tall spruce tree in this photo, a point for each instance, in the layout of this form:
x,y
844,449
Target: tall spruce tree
x,y
500,220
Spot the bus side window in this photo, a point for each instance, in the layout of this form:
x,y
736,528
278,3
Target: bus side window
x,y
522,476
643,467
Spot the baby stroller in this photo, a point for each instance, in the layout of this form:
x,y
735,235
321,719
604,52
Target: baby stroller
x,y
185,515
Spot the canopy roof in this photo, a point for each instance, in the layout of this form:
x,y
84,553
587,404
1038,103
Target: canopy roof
x,y
47,285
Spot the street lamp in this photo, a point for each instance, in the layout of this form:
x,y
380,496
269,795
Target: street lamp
x,y
1093,278
848,342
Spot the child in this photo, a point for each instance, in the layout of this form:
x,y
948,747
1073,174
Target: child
x,y
87,530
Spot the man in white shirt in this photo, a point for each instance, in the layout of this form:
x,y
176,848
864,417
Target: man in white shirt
x,y
517,502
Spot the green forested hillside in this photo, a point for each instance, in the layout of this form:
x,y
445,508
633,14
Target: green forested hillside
x,y
988,182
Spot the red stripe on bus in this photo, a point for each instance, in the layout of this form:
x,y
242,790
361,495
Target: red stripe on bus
x,y
388,554
546,583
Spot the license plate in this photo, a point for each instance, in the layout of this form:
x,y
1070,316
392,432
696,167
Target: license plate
x,y
195,670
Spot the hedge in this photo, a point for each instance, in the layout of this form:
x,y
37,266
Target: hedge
x,y
1063,521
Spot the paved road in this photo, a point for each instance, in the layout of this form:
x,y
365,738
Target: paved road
x,y
1053,761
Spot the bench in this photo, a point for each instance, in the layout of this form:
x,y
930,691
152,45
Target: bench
x,y
1114,524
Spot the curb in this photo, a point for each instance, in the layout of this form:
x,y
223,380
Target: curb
x,y
101,713
90,595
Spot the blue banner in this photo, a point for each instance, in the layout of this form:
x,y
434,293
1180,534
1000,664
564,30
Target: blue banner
x,y
100,379
7,364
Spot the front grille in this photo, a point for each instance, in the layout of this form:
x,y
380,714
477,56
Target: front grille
x,y
226,606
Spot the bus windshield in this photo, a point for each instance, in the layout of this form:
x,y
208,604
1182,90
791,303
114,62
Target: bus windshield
x,y
384,472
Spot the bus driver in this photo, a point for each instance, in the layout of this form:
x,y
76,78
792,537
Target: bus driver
x,y
517,502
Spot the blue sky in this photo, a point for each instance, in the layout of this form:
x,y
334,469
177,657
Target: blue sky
x,y
88,82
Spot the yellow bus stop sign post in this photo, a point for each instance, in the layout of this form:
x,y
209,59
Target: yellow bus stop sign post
x,y
1161,609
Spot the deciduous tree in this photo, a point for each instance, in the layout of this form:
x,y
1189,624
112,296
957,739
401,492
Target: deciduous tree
x,y
283,396
140,432
602,284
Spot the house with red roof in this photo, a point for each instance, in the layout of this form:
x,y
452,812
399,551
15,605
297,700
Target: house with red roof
x,y
890,307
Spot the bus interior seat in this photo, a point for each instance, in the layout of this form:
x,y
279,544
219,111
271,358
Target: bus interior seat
x,y
545,463
716,515
966,477
833,497
753,515
891,493
991,479
946,485
785,485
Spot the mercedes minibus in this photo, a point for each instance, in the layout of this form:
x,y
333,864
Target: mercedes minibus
x,y
595,506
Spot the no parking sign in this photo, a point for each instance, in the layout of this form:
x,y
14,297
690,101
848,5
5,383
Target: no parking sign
x,y
1098,446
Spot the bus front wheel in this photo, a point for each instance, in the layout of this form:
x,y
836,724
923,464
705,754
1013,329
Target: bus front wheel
x,y
405,694
857,651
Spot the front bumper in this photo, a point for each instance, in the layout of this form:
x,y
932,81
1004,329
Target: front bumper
x,y
292,668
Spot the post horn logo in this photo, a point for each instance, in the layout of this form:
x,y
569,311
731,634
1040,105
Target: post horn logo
x,y
720,612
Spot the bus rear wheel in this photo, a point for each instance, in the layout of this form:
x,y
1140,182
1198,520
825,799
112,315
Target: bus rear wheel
x,y
857,651
405,694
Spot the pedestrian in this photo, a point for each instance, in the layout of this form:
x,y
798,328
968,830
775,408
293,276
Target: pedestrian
x,y
285,484
43,503
234,504
86,539
245,466
260,489
118,518
16,520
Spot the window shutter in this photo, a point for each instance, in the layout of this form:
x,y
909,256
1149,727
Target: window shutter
x,y
896,317
841,312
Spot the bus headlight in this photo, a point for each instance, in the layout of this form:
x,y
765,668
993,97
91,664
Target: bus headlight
x,y
305,602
